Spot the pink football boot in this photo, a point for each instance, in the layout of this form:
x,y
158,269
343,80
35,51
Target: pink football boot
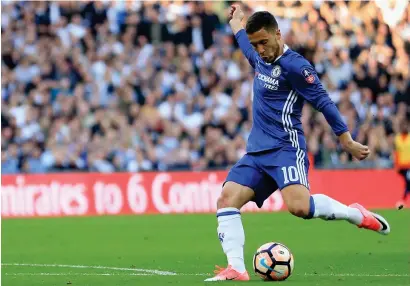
x,y
372,221
228,274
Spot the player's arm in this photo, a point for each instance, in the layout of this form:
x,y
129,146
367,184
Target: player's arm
x,y
236,16
305,81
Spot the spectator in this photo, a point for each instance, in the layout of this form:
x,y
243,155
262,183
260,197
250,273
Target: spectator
x,y
137,86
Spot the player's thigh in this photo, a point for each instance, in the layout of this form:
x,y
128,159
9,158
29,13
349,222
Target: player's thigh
x,y
240,184
234,195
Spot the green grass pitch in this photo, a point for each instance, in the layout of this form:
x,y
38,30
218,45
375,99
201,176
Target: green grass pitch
x,y
53,251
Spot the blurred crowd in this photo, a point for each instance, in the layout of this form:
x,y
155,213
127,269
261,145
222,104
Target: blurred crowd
x,y
136,86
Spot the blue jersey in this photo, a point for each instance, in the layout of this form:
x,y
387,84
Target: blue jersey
x,y
280,90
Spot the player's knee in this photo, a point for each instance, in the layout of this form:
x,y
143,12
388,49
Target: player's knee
x,y
297,199
227,199
224,200
299,208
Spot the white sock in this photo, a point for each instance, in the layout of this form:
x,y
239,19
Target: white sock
x,y
329,209
232,236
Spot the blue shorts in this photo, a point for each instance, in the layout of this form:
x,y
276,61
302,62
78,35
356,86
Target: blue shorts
x,y
267,171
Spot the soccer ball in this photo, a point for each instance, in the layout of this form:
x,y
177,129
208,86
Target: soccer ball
x,y
273,261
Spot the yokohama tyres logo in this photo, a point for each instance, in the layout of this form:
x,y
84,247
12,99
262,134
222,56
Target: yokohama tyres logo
x,y
73,194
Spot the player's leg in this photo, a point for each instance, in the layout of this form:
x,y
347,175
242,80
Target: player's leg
x,y
236,192
230,230
406,176
407,190
292,179
300,203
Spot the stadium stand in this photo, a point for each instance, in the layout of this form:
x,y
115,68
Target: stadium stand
x,y
138,86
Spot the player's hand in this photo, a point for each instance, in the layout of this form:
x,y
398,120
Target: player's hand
x,y
236,16
236,13
357,150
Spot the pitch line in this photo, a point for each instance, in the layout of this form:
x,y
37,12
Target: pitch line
x,y
76,274
147,272
195,274
150,271
356,275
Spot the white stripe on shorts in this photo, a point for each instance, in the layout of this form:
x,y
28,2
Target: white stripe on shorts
x,y
293,135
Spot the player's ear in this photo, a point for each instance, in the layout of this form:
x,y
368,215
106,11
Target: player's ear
x,y
278,34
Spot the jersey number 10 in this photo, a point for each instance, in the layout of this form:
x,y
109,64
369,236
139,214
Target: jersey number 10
x,y
290,174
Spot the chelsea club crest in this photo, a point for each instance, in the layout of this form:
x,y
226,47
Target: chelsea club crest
x,y
276,71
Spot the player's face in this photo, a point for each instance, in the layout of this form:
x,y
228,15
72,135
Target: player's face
x,y
266,43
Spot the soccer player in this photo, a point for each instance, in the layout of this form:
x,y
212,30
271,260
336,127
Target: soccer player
x,y
276,149
402,144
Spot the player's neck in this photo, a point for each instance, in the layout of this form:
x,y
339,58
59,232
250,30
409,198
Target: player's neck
x,y
281,50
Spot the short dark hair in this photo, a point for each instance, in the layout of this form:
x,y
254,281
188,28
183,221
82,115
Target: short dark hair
x,y
259,20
